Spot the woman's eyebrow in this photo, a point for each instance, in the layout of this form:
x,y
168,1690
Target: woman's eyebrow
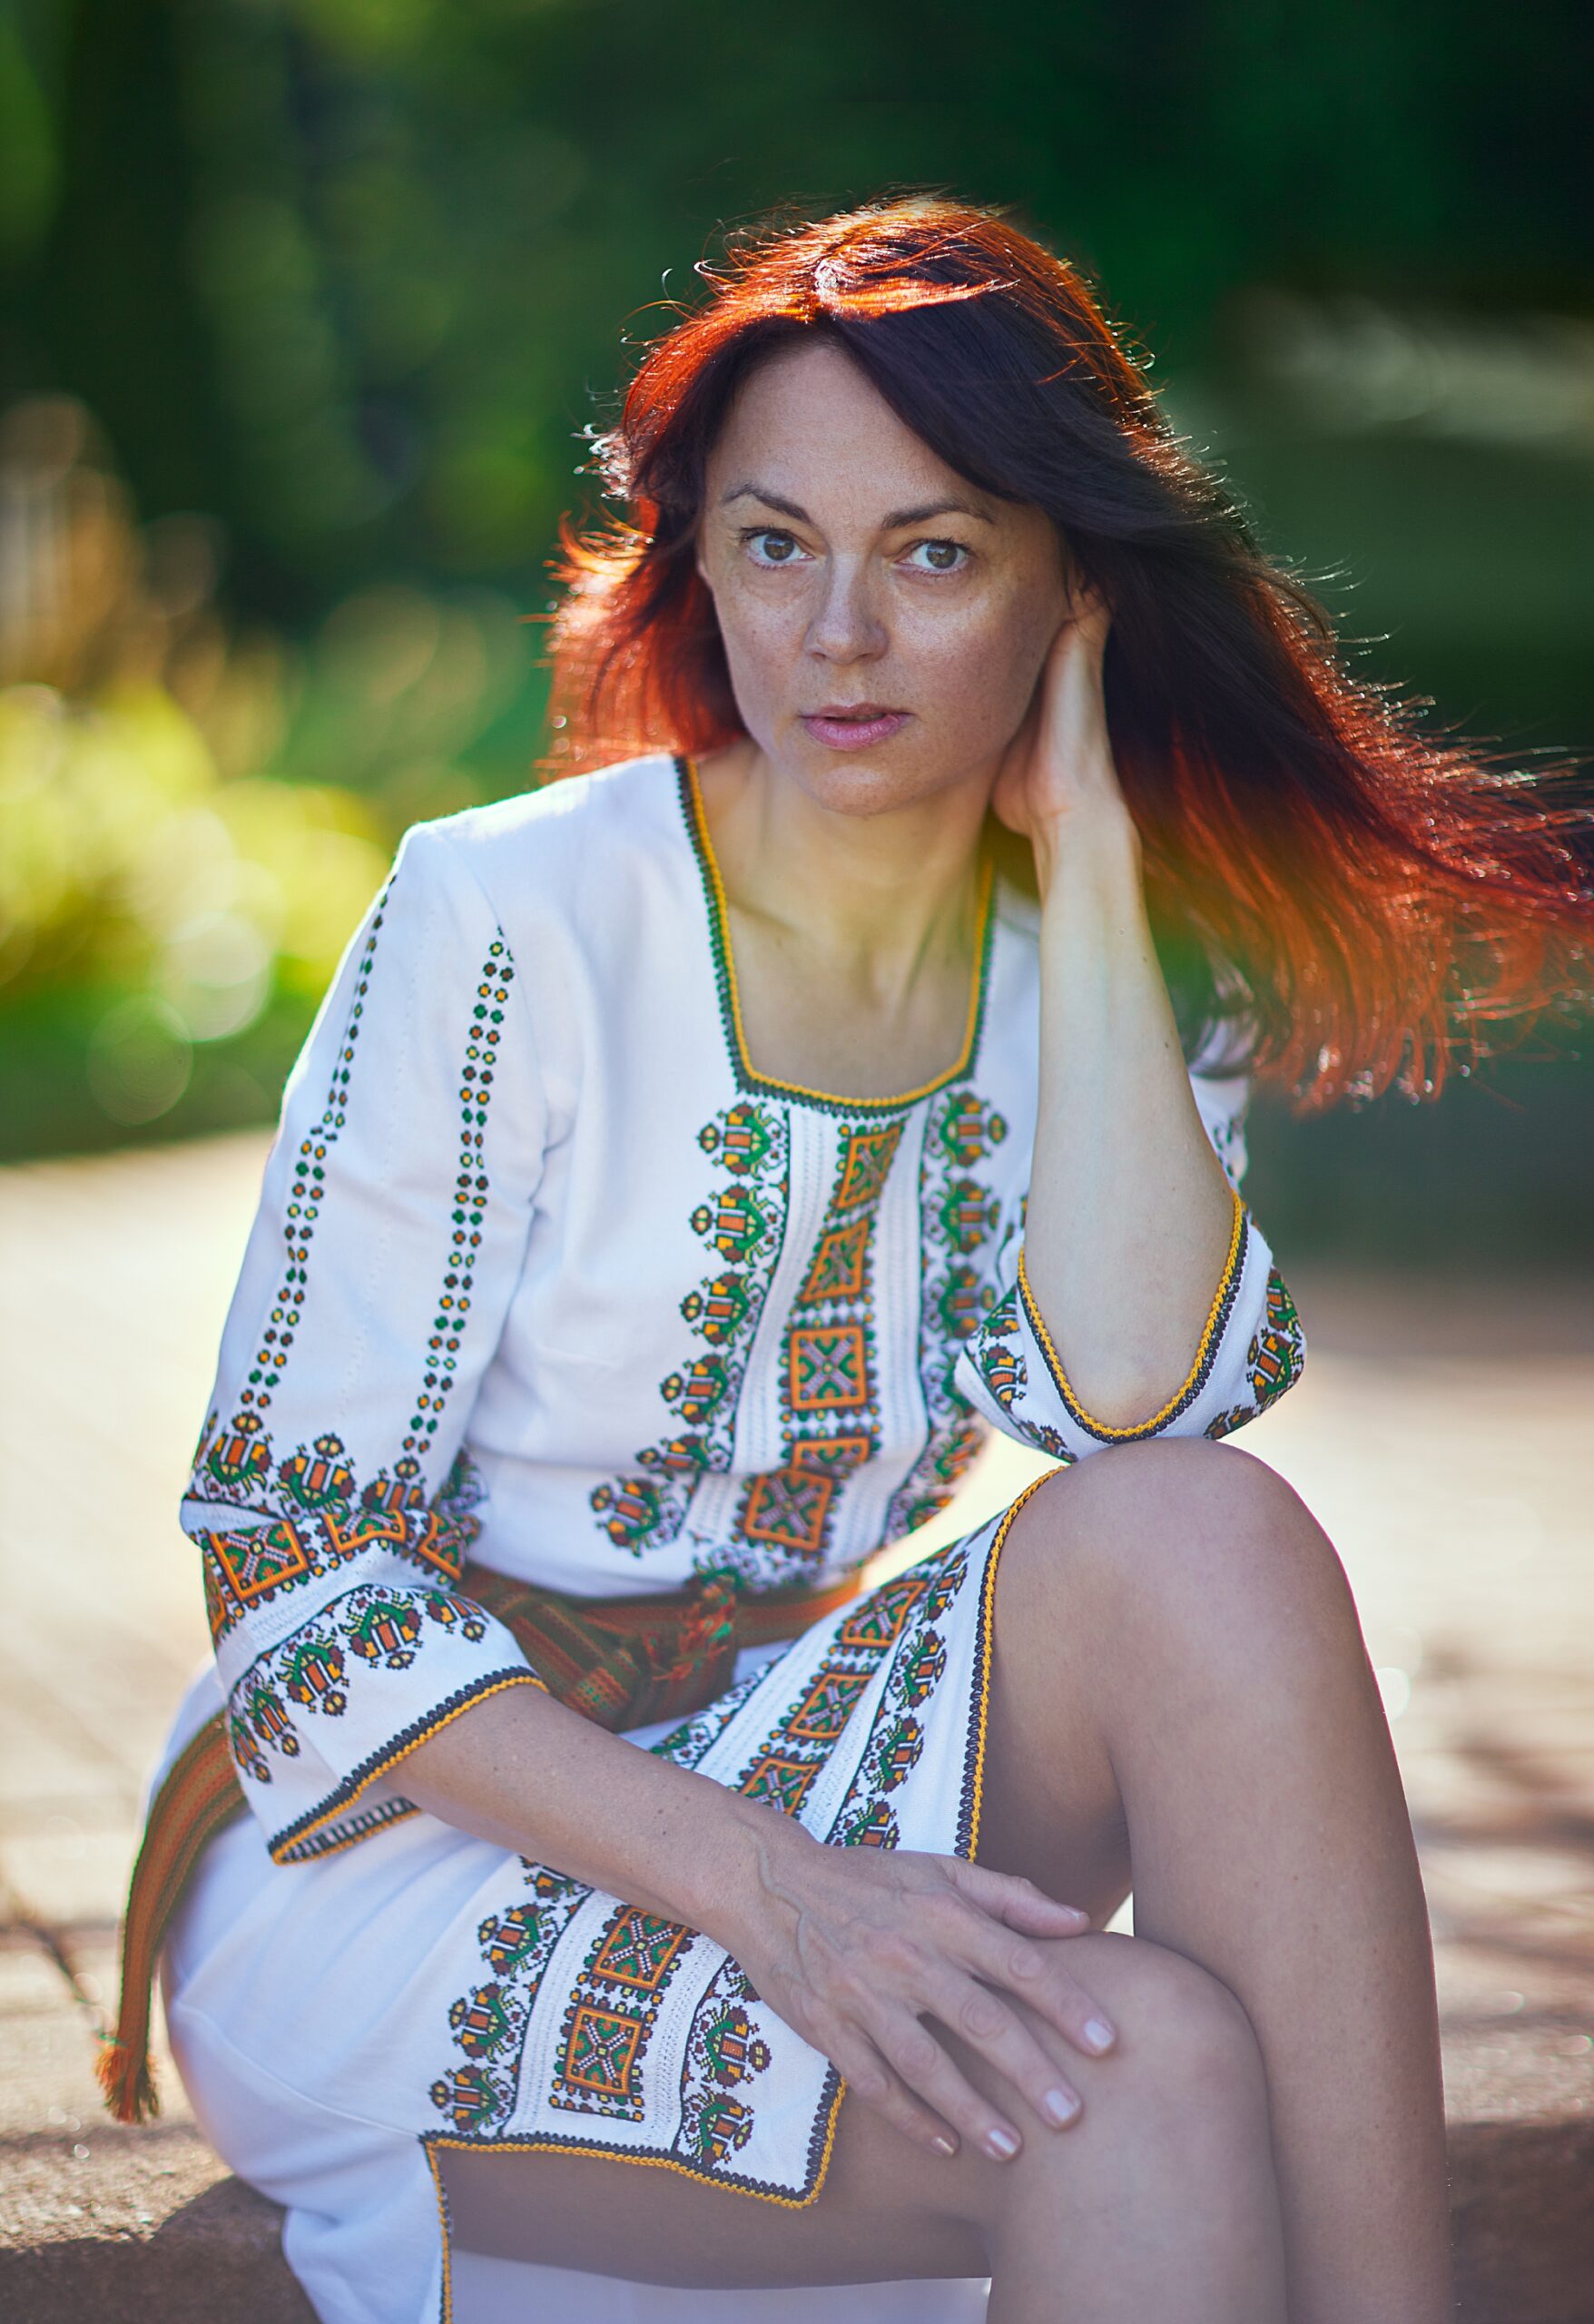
x,y
893,523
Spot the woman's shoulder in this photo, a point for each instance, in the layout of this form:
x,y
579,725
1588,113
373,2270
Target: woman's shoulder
x,y
539,848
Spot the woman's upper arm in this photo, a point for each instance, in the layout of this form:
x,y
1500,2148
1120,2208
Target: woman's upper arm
x,y
329,1494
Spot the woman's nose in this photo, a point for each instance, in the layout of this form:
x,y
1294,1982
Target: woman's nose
x,y
846,625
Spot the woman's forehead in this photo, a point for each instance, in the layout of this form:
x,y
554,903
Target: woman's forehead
x,y
807,424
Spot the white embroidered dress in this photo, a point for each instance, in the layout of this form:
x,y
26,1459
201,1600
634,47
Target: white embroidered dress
x,y
546,1271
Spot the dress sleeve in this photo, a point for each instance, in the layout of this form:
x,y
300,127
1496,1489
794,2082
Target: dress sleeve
x,y
1250,1352
330,1497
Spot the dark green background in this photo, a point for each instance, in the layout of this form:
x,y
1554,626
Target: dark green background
x,y
353,277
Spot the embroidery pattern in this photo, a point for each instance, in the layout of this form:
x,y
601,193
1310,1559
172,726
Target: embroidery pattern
x,y
380,1628
611,2014
784,1767
330,1520
742,1224
865,1817
830,1408
1224,1423
484,1033
998,1356
611,2010
319,1516
957,1218
1225,1136
1278,1350
489,2024
687,1745
725,2050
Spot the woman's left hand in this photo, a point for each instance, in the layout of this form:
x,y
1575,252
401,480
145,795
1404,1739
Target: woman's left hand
x,y
1058,767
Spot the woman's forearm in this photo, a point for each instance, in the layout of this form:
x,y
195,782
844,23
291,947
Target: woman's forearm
x,y
1129,1212
529,1773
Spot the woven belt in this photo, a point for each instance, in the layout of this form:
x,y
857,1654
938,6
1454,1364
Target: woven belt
x,y
621,1662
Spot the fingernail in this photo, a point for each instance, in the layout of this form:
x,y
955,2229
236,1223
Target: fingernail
x,y
1059,2106
943,2145
1098,2033
1002,2144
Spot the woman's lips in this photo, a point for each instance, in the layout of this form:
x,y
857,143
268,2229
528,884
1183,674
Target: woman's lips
x,y
854,732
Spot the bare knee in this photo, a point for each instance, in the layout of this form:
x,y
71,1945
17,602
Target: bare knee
x,y
1184,2039
1198,1535
1185,2061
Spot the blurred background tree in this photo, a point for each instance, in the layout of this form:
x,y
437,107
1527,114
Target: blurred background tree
x,y
310,304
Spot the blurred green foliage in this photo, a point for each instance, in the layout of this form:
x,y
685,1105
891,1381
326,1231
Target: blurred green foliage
x,y
310,305
191,819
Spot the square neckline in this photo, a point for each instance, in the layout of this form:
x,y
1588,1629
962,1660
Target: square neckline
x,y
747,1075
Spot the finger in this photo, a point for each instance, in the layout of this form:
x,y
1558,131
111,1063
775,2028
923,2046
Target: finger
x,y
871,2078
1014,1963
984,2020
1017,1903
926,2066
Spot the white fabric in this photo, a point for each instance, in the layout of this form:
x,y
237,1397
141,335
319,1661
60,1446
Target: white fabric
x,y
245,2006
500,2291
545,1273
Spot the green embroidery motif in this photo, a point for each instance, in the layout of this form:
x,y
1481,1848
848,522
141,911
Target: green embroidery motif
x,y
1278,1352
742,1223
309,1512
725,2051
958,1217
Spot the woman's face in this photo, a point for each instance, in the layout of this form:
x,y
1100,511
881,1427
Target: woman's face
x,y
884,621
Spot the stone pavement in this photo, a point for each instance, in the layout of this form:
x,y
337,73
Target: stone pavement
x,y
1443,1433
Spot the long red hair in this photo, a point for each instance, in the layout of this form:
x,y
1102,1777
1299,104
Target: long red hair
x,y
1377,902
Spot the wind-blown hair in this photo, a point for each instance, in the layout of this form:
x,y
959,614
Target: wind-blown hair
x,y
1370,902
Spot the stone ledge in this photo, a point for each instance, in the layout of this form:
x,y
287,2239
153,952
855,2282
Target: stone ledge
x,y
151,2227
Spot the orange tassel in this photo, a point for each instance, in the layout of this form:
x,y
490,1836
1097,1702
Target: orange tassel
x,y
124,2072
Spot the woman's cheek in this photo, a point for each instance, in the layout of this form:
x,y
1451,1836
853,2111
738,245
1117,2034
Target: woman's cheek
x,y
991,690
755,665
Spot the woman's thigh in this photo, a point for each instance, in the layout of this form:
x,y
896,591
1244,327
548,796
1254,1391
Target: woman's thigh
x,y
887,2209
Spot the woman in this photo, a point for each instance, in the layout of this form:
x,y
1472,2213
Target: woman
x,y
689,1165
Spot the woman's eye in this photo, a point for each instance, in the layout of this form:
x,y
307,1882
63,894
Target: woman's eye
x,y
772,547
940,557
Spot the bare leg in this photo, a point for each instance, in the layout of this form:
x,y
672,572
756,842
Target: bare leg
x,y
1158,2203
1178,1672
1175,1624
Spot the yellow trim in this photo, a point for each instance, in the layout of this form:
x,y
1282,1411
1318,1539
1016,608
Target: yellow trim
x,y
436,1726
797,1089
988,1635
1213,1314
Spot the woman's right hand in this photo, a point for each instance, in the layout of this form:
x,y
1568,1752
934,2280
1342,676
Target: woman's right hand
x,y
855,1947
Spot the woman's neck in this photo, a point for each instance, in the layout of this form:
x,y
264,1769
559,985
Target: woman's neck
x,y
882,896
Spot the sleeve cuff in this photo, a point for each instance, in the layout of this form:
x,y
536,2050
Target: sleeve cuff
x,y
318,1721
1212,1335
1251,1350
